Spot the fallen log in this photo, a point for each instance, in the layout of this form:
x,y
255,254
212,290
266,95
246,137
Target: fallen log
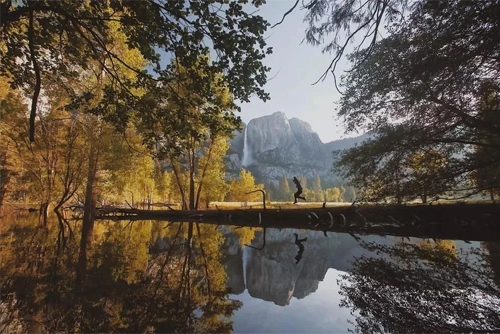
x,y
480,222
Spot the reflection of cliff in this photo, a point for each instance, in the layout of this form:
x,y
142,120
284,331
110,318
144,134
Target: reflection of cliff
x,y
234,270
233,262
271,273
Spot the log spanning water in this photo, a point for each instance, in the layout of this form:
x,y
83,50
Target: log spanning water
x,y
479,222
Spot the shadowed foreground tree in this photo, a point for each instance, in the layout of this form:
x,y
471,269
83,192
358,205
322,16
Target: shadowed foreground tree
x,y
430,76
334,25
423,288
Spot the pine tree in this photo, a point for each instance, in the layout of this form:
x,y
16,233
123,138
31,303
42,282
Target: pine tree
x,y
284,189
318,192
351,194
272,192
303,181
342,194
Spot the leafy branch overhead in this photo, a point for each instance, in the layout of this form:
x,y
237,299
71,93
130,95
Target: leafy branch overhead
x,y
64,36
431,88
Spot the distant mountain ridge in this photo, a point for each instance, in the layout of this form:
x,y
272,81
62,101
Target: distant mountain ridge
x,y
277,146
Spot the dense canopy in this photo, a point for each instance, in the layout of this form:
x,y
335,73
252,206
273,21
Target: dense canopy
x,y
58,39
433,85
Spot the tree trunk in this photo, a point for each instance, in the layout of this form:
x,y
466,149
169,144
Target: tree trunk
x,y
44,214
179,183
3,187
88,214
492,196
4,178
424,198
191,182
202,177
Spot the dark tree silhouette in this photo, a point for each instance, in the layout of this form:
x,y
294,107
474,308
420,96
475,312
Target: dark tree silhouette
x,y
413,288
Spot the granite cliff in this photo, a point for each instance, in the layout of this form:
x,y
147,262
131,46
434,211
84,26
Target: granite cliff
x,y
275,146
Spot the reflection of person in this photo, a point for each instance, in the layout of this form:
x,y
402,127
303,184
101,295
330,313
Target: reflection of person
x,y
299,190
299,242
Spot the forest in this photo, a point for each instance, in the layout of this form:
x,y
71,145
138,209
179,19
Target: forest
x,y
97,119
94,114
116,118
132,104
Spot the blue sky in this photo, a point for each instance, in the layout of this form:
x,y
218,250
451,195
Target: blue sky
x,y
297,65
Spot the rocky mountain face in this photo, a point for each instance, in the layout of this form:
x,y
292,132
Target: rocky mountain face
x,y
275,146
273,274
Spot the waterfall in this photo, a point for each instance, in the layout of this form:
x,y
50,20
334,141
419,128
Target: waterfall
x,y
247,158
246,256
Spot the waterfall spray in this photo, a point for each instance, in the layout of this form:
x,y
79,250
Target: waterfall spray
x,y
247,158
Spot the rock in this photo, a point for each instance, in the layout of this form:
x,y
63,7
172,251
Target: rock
x,y
279,146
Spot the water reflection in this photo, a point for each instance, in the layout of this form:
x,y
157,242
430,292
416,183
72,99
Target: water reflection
x,y
188,277
425,287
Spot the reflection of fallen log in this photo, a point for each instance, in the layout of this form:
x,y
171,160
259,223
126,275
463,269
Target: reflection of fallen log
x,y
458,221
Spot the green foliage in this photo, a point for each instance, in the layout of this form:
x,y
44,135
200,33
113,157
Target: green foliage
x,y
284,192
318,192
419,76
65,37
341,194
351,195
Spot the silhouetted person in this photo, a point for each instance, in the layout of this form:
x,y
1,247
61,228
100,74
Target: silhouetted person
x,y
299,190
299,242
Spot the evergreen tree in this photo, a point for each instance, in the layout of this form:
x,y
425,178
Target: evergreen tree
x,y
303,181
318,192
272,192
342,194
351,194
284,189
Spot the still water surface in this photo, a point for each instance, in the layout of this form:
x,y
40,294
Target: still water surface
x,y
152,276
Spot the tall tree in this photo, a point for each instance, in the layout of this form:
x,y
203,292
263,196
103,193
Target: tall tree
x,y
199,124
487,177
43,38
284,189
429,76
11,106
351,194
318,192
212,185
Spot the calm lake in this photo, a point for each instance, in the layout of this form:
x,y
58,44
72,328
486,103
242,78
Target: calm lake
x,y
155,276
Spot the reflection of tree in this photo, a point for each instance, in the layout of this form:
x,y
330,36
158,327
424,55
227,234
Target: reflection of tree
x,y
188,293
245,234
126,289
411,288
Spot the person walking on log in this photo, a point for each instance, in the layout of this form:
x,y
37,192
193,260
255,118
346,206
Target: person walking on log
x,y
299,191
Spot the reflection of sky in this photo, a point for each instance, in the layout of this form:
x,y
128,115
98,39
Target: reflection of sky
x,y
318,312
